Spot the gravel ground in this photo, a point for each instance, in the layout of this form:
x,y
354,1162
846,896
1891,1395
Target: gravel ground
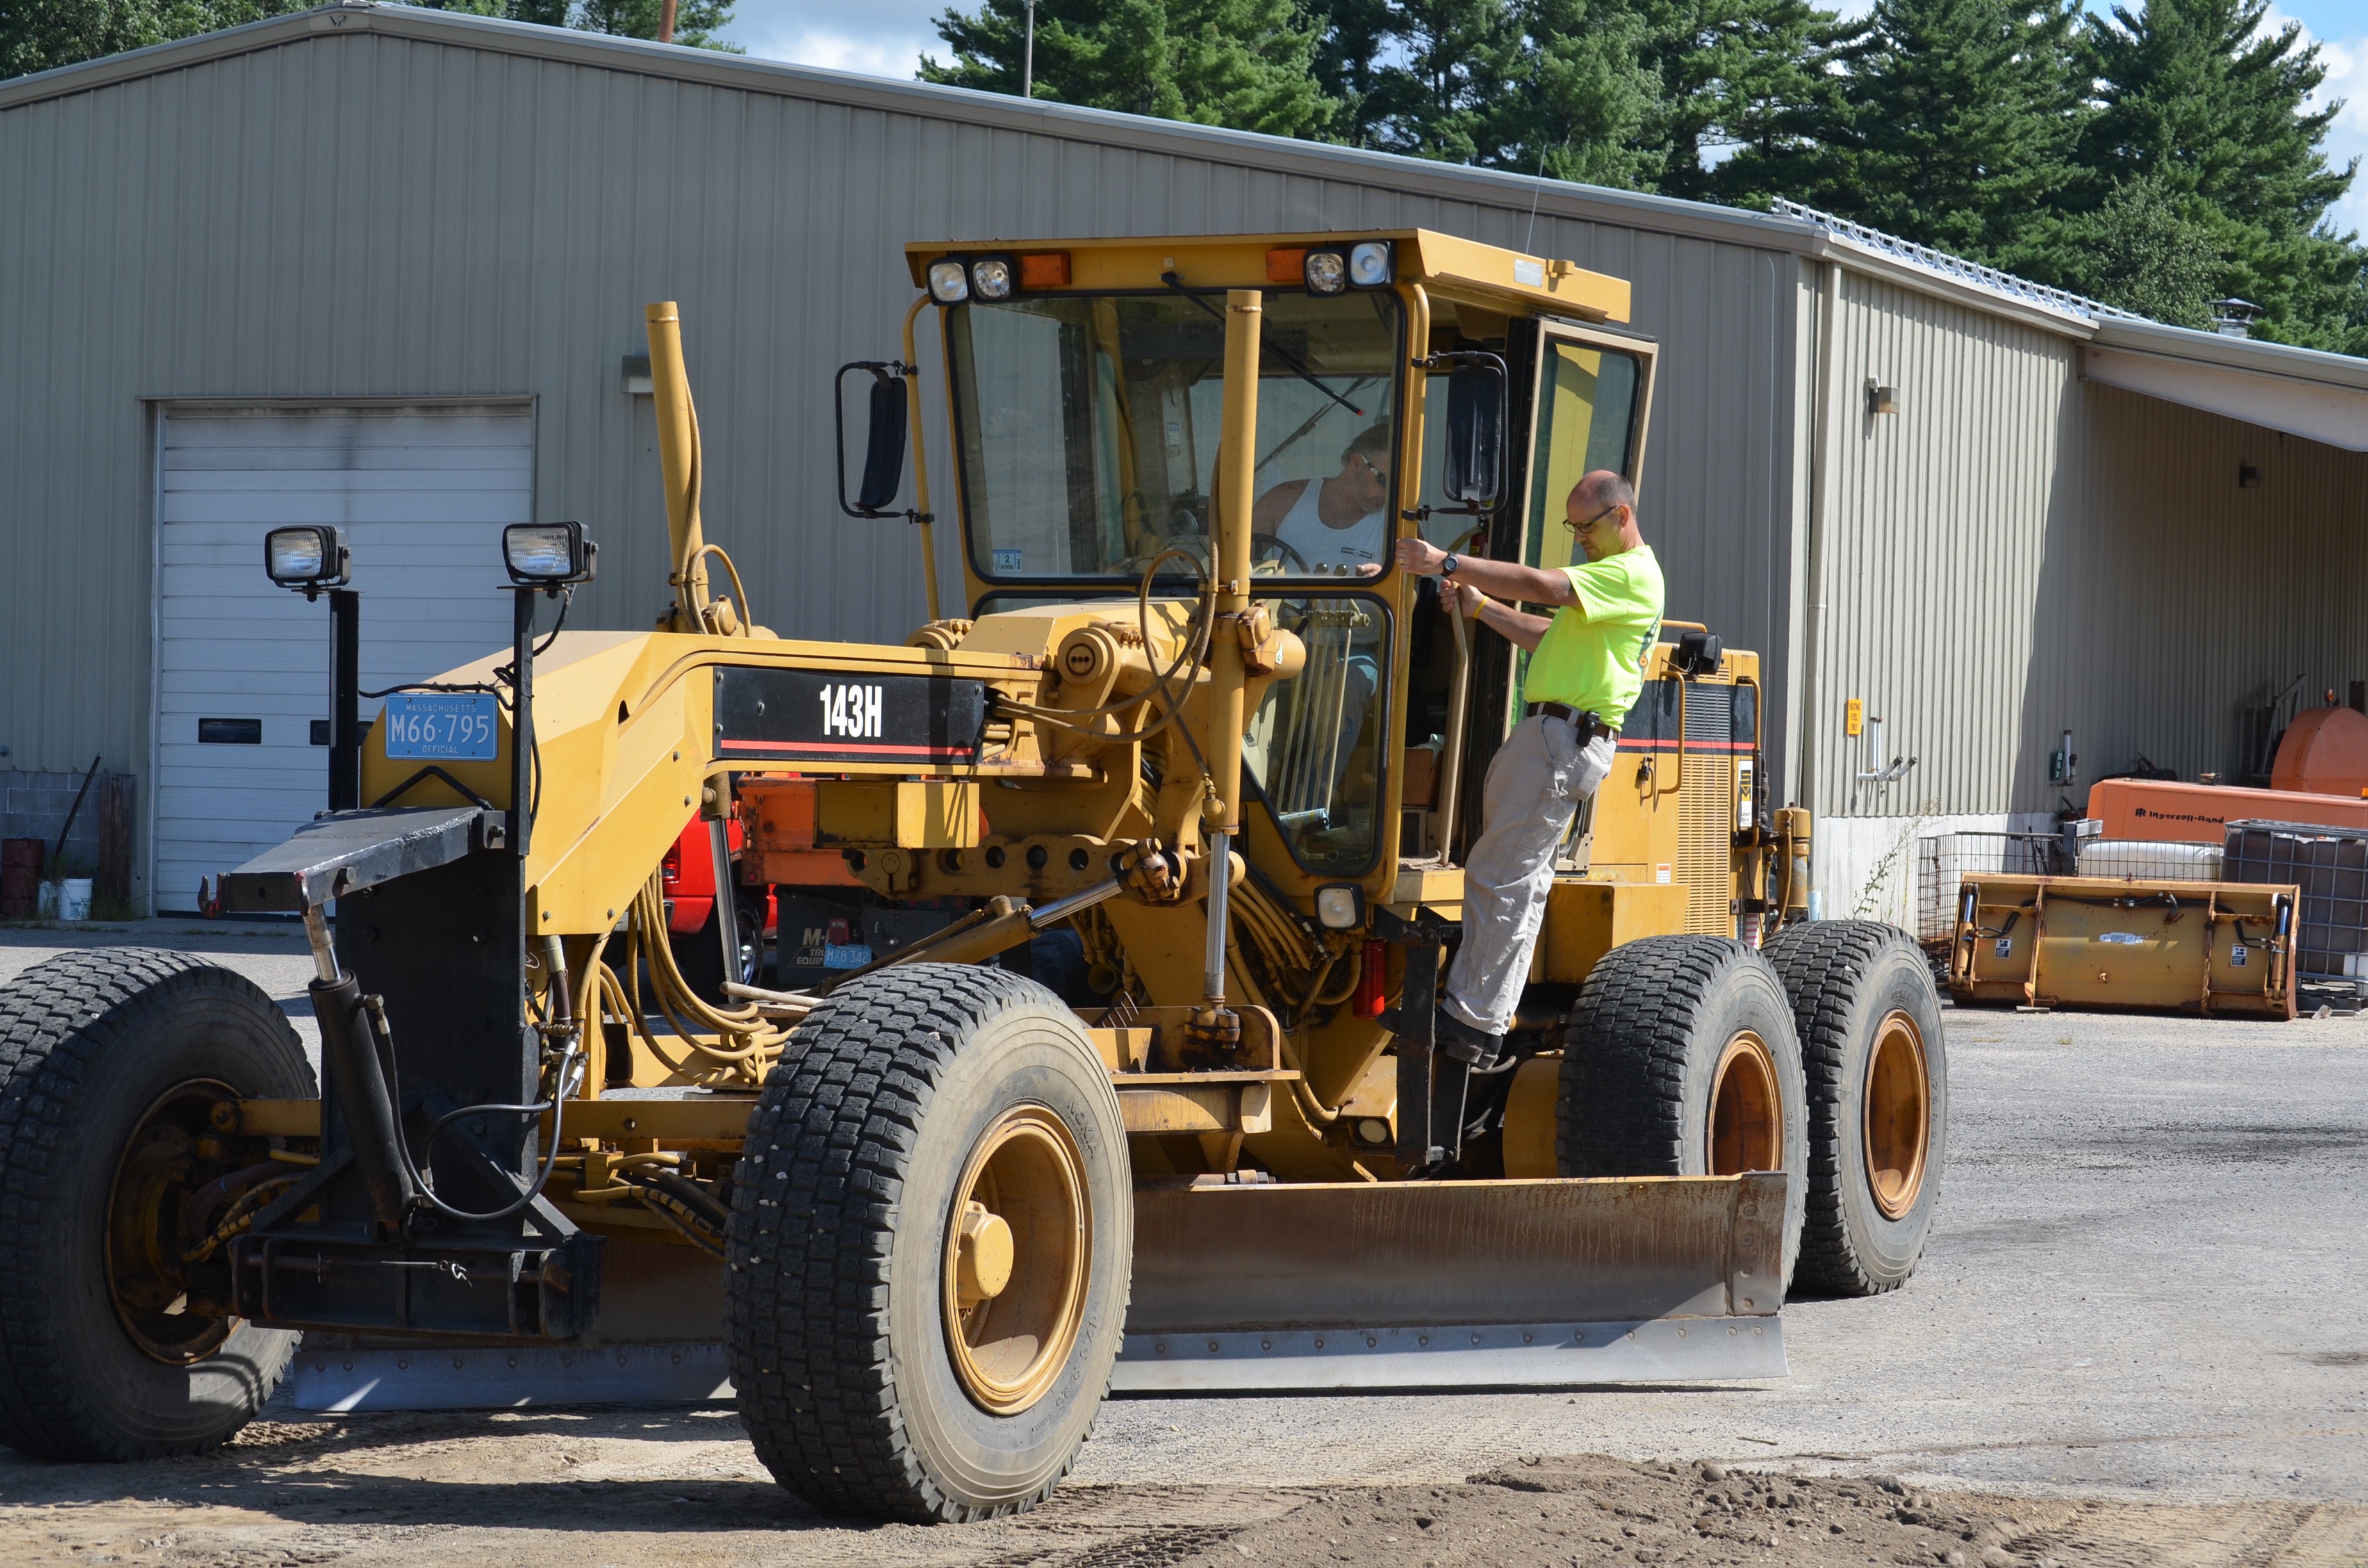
x,y
2140,1336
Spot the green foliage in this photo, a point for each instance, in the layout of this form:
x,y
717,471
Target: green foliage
x,y
1952,124
2141,252
41,35
2202,98
1244,63
696,22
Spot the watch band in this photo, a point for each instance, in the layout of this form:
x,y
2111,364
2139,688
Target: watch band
x,y
1447,567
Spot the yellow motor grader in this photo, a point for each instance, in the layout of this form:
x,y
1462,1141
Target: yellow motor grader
x,y
1097,1052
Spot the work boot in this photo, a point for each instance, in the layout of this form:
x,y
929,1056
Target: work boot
x,y
1460,1041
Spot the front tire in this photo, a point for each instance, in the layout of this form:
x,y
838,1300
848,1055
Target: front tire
x,y
932,1235
1680,1059
1869,1018
110,1060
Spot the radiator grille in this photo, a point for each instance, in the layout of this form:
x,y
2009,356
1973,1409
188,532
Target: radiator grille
x,y
1705,839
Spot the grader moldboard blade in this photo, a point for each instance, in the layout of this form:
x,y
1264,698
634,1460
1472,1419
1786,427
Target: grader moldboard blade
x,y
1278,1287
1456,1284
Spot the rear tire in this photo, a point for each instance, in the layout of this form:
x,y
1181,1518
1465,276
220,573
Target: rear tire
x,y
1869,1018
908,1100
1680,1059
99,1048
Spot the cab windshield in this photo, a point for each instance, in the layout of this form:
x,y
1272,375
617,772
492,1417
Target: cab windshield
x,y
1086,429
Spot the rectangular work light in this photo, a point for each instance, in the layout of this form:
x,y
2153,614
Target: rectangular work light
x,y
310,558
548,554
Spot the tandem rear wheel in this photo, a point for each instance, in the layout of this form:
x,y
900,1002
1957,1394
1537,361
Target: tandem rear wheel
x,y
1869,1020
932,1235
111,1062
1679,1058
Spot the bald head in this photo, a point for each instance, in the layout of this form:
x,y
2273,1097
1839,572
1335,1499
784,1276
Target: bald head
x,y
1600,489
1601,513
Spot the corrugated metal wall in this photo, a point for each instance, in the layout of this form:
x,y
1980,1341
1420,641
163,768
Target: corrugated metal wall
x,y
364,215
2017,552
1939,522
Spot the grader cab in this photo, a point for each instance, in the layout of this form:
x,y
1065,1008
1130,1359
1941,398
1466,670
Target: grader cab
x,y
1112,913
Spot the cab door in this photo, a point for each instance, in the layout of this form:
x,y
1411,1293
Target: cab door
x,y
1582,398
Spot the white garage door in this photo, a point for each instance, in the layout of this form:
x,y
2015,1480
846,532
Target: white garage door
x,y
241,675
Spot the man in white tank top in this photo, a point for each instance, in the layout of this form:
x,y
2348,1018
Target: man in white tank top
x,y
1333,526
1338,526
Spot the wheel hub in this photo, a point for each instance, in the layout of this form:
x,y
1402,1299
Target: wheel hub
x,y
1016,1249
1746,1113
153,1182
1898,1115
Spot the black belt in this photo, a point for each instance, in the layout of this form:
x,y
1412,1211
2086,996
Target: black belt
x,y
1588,723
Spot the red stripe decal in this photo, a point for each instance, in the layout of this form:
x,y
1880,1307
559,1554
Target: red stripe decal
x,y
1642,744
823,748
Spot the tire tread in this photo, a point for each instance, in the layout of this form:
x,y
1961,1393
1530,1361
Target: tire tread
x,y
806,1312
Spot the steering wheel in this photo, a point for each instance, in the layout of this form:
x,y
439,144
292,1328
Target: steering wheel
x,y
1271,550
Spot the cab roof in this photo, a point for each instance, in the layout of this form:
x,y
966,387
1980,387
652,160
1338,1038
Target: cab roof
x,y
1464,269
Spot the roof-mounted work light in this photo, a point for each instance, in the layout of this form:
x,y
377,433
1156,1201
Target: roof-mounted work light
x,y
948,281
306,559
1327,271
548,555
1372,264
994,276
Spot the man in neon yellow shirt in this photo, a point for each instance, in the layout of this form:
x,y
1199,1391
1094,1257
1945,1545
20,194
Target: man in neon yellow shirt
x,y
1586,666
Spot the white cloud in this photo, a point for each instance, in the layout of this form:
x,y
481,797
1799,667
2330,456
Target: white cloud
x,y
877,38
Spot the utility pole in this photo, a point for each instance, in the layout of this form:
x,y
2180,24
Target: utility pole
x,y
666,23
1027,61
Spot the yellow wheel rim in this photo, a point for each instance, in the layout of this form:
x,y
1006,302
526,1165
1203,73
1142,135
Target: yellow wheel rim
x,y
1747,1113
1898,1115
143,1214
1017,1238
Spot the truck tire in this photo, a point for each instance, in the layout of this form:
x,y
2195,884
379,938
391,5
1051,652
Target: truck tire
x,y
1869,1018
1680,1059
932,1233
110,1061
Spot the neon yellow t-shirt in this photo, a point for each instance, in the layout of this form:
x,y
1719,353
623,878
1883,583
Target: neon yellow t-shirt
x,y
1592,657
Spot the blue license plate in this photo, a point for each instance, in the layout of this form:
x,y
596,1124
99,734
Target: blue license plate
x,y
441,726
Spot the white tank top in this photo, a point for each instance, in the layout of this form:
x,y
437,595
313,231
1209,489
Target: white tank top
x,y
1323,547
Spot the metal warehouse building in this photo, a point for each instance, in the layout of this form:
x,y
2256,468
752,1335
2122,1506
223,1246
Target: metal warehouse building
x,y
384,266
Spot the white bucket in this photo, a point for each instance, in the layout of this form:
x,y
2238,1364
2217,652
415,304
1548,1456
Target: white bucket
x,y
74,898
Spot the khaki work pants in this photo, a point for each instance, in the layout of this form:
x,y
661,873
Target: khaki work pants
x,y
1539,777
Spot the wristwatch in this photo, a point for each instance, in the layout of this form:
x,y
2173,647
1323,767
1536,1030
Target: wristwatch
x,y
1447,567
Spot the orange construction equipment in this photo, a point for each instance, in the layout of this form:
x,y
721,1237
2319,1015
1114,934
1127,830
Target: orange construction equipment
x,y
2200,813
2324,752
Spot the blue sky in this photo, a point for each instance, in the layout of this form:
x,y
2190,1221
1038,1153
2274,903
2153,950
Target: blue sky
x,y
885,38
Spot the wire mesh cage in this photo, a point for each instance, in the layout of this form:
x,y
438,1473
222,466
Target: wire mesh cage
x,y
1946,860
2331,866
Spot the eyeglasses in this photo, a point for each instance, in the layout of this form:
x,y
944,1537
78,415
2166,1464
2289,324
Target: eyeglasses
x,y
1582,528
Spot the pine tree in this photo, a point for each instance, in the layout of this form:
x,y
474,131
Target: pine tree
x,y
2140,251
1734,75
1954,125
41,35
1244,63
2202,100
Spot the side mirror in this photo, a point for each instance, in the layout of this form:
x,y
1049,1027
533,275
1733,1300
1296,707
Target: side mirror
x,y
1477,412
884,446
